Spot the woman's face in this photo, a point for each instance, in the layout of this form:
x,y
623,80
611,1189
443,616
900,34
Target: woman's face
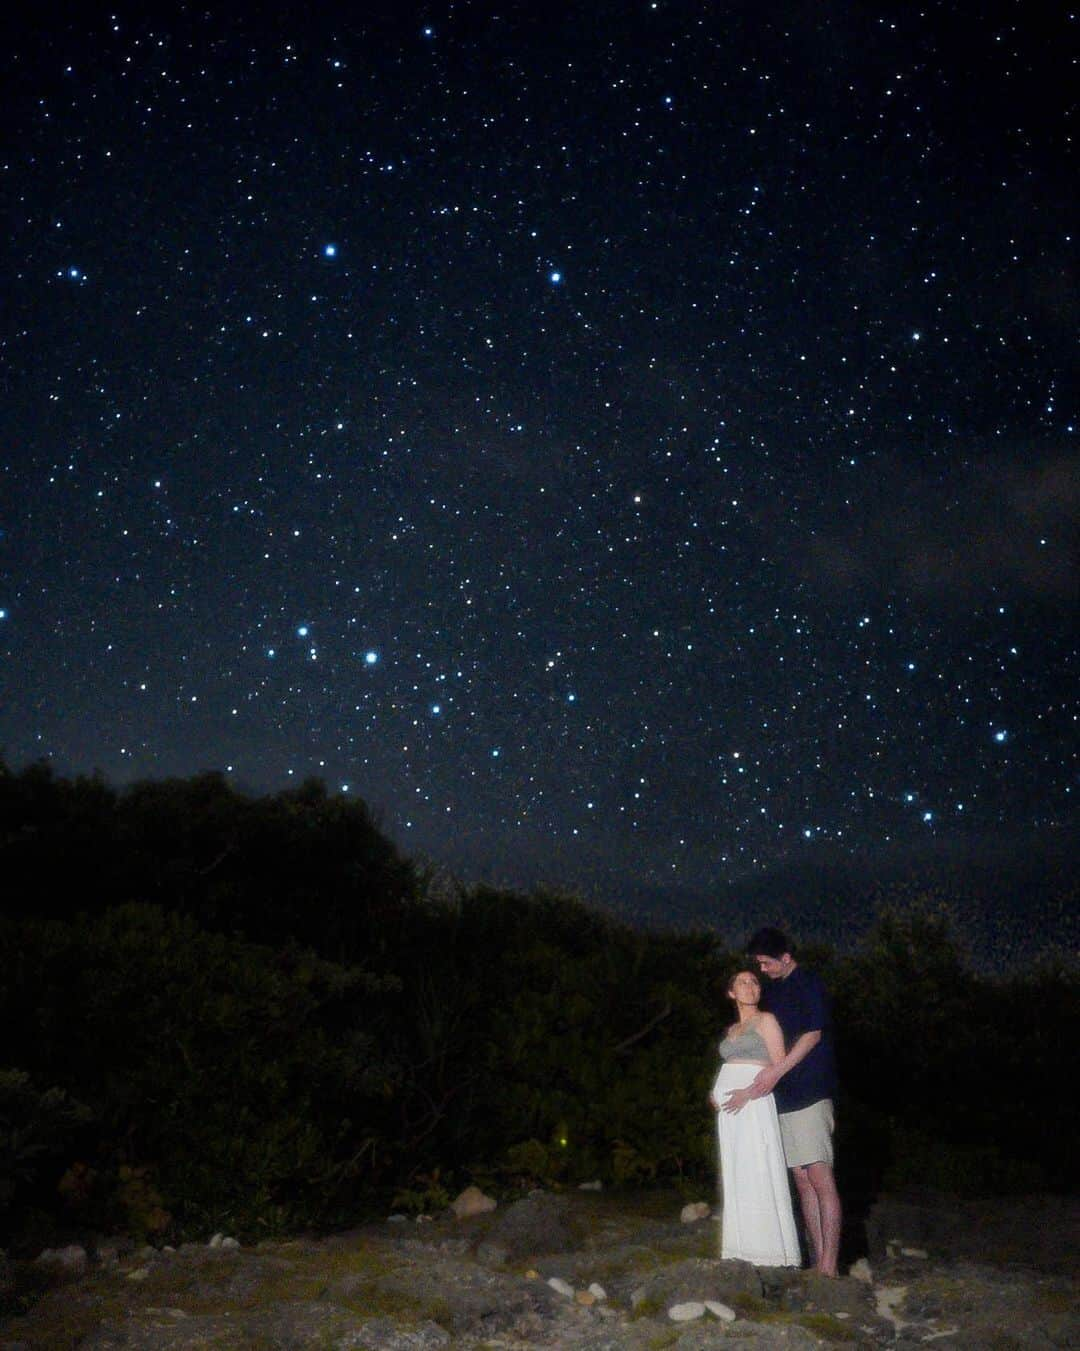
x,y
745,988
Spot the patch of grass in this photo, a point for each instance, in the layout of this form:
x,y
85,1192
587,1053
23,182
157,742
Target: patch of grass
x,y
1055,1301
647,1308
825,1325
750,1306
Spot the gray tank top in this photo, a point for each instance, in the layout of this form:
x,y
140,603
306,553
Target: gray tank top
x,y
749,1045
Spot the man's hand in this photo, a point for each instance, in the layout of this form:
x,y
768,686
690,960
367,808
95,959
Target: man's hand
x,y
765,1081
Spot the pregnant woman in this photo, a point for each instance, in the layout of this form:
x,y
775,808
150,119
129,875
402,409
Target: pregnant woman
x,y
758,1224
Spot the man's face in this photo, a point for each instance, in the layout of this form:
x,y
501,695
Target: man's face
x,y
773,967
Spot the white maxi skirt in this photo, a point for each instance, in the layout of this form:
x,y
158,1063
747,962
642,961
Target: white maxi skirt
x,y
758,1224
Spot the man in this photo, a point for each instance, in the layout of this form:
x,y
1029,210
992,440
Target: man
x,y
804,1082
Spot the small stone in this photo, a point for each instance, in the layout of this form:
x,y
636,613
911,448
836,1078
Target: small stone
x,y
561,1287
696,1210
686,1313
532,1275
472,1201
861,1271
596,1186
138,1274
216,1241
597,1291
914,1252
424,1219
721,1311
229,1244
585,1297
397,1219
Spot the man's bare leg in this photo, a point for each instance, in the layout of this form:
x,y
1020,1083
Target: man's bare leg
x,y
808,1201
822,1183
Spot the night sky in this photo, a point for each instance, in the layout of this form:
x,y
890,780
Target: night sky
x,y
628,445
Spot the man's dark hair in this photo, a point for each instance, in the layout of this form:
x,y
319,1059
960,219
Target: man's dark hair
x,y
769,943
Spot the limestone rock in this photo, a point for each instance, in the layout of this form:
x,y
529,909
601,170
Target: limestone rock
x,y
861,1271
561,1287
724,1312
472,1201
686,1313
695,1211
540,1223
70,1262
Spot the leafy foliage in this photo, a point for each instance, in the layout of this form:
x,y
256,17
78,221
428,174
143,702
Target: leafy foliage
x,y
250,1015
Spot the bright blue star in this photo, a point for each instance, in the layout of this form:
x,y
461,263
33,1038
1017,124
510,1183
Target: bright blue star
x,y
555,278
1001,735
928,817
370,658
3,614
302,631
436,709
329,250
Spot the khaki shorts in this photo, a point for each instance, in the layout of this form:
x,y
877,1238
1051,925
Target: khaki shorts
x,y
807,1134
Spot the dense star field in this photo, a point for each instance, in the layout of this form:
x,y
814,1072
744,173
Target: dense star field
x,y
632,445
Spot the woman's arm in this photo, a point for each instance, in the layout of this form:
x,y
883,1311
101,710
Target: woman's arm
x,y
773,1038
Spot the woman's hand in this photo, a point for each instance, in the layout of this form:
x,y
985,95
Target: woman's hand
x,y
736,1100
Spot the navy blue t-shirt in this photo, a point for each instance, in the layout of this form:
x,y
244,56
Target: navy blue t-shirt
x,y
799,1004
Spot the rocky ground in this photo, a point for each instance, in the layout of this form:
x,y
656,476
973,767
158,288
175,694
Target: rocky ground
x,y
579,1270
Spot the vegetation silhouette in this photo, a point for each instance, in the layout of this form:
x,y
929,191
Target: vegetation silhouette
x,y
253,1013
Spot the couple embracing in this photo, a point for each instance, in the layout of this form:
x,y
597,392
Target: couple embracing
x,y
774,1103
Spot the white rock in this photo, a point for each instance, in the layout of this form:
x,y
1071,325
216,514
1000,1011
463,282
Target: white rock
x,y
914,1252
216,1241
472,1201
425,1219
70,1260
229,1244
696,1210
561,1287
686,1313
861,1271
396,1219
596,1186
721,1311
597,1291
139,1274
